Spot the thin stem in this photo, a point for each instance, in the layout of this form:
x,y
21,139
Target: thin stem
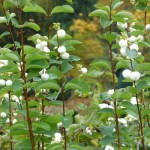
x,y
25,93
8,25
114,85
48,17
139,113
63,100
10,122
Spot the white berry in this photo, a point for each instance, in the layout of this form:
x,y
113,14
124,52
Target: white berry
x,y
123,51
122,25
46,49
110,92
108,147
57,135
132,39
7,120
123,43
9,82
84,70
65,55
2,82
3,114
61,33
126,73
44,43
135,75
45,76
133,100
147,27
61,49
14,121
134,47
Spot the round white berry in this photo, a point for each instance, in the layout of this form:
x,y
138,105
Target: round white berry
x,y
61,49
14,121
65,55
123,43
46,49
110,92
140,37
39,46
9,82
135,75
7,120
3,114
45,76
122,25
132,39
132,29
58,135
6,96
57,140
15,114
134,47
2,82
147,27
133,100
123,51
126,73
108,147
61,33
44,43
84,70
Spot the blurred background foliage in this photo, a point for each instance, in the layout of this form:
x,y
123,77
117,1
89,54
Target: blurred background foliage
x,y
79,25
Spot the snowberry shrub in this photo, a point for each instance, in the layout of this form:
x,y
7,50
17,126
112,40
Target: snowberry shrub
x,y
114,119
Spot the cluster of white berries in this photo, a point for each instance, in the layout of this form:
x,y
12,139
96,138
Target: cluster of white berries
x,y
123,121
108,147
130,118
133,75
88,131
4,115
44,75
57,138
104,105
147,27
3,63
7,82
42,45
62,52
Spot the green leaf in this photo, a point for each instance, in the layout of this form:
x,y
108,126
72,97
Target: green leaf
x,y
12,56
71,42
119,17
17,85
101,63
38,64
116,4
3,20
107,140
42,125
99,13
35,56
110,37
143,67
105,22
77,85
22,3
131,53
69,1
29,49
32,25
54,119
67,121
4,34
55,146
62,9
76,147
33,7
66,66
47,85
4,50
